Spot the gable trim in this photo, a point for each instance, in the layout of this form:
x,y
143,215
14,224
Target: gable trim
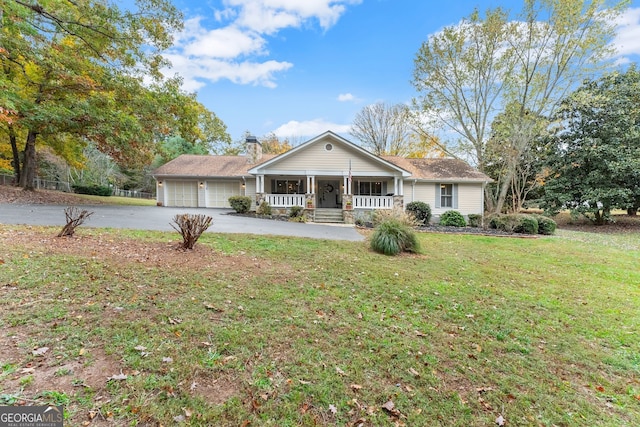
x,y
362,151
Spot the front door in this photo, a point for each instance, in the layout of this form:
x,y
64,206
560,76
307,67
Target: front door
x,y
328,194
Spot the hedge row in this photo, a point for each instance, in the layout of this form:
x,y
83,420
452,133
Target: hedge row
x,y
524,224
94,190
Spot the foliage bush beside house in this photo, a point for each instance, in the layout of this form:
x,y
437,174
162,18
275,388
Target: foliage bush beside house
x,y
452,219
241,204
421,211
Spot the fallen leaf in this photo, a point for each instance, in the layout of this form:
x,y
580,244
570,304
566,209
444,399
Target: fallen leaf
x,y
414,372
303,382
421,334
27,370
179,418
40,351
167,360
81,352
390,408
333,409
340,371
140,348
187,412
600,389
118,377
355,387
500,421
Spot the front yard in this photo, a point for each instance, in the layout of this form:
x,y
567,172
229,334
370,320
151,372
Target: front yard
x,y
124,329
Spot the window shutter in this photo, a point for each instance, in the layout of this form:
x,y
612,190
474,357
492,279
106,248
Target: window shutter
x,y
455,196
438,195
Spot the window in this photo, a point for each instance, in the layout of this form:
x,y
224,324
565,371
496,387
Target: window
x,y
369,188
447,196
283,186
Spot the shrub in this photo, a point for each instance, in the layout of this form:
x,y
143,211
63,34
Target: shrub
x,y
391,237
75,218
381,215
452,219
241,204
527,225
296,211
475,220
191,228
546,225
264,209
503,222
94,190
421,211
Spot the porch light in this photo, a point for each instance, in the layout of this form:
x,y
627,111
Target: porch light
x,y
159,183
202,185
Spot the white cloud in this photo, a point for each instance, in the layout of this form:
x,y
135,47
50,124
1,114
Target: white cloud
x,y
197,71
309,128
235,49
346,97
627,40
269,16
228,42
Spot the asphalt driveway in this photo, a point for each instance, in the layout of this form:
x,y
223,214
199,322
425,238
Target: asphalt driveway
x,y
161,218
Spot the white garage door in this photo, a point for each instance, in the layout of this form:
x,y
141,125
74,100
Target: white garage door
x,y
218,193
182,194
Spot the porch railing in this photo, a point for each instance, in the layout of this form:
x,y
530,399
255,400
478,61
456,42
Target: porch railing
x,y
373,202
285,200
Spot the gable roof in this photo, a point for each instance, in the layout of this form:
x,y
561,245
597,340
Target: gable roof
x,y
195,165
336,139
439,169
210,166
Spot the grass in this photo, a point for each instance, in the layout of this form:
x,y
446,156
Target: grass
x,y
117,200
296,332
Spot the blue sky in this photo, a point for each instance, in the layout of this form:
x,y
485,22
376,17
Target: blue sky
x,y
300,67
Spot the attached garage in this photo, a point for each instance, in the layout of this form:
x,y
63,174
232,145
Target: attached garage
x,y
219,191
182,194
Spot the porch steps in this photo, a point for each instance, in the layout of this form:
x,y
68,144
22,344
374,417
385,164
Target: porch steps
x,y
329,216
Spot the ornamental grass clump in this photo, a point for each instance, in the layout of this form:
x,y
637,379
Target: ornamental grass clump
x,y
391,237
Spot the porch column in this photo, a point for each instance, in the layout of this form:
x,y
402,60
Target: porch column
x,y
260,184
395,185
345,184
401,187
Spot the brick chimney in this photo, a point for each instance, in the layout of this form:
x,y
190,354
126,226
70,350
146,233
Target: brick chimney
x,y
254,149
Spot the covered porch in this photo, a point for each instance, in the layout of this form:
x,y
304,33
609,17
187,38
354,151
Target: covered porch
x,y
342,192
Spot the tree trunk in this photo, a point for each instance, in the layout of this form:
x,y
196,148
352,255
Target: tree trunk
x,y
16,154
632,211
30,163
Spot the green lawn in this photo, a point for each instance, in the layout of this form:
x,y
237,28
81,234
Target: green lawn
x,y
255,330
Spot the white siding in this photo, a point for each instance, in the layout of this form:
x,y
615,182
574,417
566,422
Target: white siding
x,y
250,190
181,194
469,197
317,158
219,191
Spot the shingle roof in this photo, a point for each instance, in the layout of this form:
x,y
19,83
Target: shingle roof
x,y
432,169
435,169
193,165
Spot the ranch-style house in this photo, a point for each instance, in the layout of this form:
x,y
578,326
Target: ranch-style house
x,y
332,178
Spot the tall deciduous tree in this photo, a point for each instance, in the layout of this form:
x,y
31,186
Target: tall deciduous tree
x,y
468,73
597,163
383,129
73,72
